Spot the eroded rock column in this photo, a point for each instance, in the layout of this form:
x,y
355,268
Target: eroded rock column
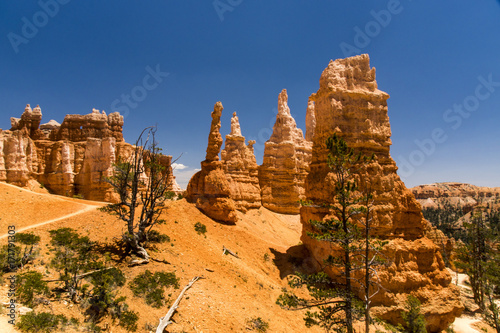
x,y
286,163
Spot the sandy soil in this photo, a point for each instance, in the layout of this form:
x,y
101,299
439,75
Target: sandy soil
x,y
232,290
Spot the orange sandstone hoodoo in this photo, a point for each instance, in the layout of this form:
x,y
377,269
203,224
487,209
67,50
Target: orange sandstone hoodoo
x,y
349,104
72,158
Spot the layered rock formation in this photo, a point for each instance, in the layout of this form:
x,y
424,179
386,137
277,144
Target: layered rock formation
x,y
241,169
310,120
349,104
73,158
464,196
209,188
286,162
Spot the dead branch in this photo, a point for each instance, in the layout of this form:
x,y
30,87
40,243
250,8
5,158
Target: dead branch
x,y
165,321
160,261
226,250
81,275
138,262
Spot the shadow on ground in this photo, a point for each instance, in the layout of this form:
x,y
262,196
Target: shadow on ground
x,y
295,259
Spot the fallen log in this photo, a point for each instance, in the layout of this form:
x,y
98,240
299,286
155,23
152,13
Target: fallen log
x,y
165,321
226,250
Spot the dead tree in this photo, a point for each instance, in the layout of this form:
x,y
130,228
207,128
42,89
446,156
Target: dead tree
x,y
141,181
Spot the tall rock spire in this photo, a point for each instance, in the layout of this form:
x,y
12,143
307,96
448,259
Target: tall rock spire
x,y
241,169
286,163
214,138
209,188
349,104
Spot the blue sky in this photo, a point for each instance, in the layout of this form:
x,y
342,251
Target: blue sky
x,y
439,61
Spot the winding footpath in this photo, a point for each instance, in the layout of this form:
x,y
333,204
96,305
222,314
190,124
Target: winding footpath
x,y
88,206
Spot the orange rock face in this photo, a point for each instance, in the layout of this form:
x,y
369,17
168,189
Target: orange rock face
x,y
209,188
241,169
461,195
68,159
349,104
286,163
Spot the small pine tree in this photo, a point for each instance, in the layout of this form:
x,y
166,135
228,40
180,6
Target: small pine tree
x,y
414,319
31,284
353,247
73,256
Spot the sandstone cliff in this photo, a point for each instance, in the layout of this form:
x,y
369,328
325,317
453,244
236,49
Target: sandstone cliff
x,y
241,169
73,158
348,103
286,163
464,196
209,188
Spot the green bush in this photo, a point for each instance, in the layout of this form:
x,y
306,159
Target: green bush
x,y
156,237
151,286
200,228
257,324
128,320
31,284
103,298
73,255
40,322
414,319
15,255
29,240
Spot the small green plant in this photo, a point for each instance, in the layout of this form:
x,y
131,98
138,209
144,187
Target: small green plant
x,y
73,255
31,284
200,228
257,324
103,298
14,257
29,240
10,258
266,256
40,322
128,320
78,196
151,286
155,236
414,319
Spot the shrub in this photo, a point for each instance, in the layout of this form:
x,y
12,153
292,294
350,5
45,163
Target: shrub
x,y
29,240
10,258
257,324
40,322
73,255
151,286
156,237
103,298
200,228
31,285
414,319
128,320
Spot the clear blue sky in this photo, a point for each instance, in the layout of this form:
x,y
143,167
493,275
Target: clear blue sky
x,y
72,56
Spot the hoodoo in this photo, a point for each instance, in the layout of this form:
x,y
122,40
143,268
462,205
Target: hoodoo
x,y
209,188
241,168
72,158
349,104
286,163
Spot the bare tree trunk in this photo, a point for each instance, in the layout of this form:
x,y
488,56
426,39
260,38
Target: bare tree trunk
x,y
165,321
